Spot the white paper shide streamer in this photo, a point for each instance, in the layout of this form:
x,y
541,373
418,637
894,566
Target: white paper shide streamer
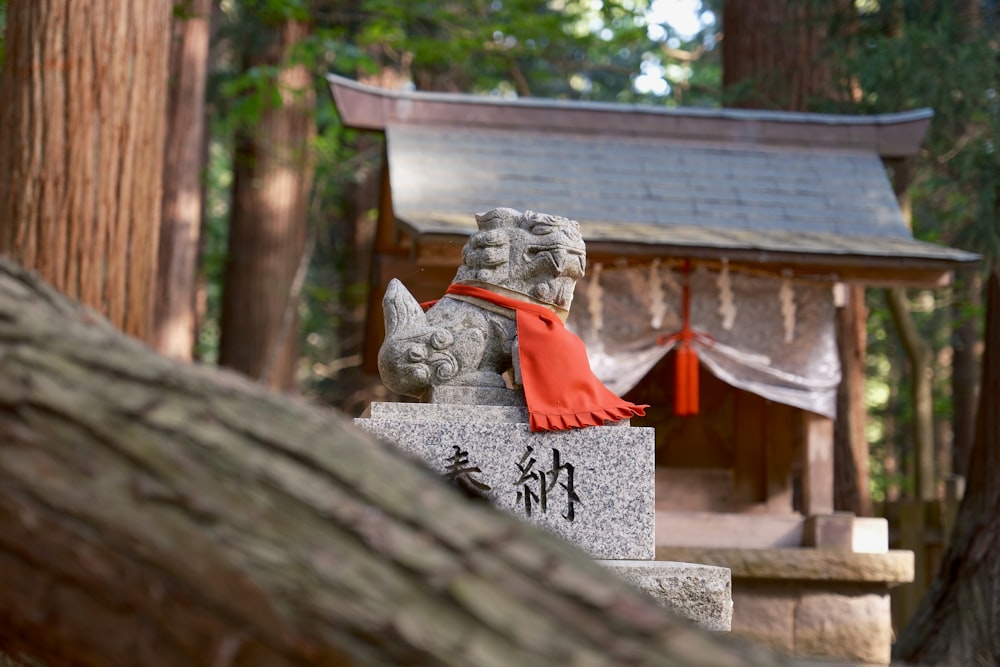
x,y
657,297
786,294
595,302
727,305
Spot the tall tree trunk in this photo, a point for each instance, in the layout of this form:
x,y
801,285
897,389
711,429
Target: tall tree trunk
x,y
968,290
919,355
157,513
964,367
778,54
958,618
180,230
921,359
267,232
81,148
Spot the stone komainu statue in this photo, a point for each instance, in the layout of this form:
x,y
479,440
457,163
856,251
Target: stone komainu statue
x,y
504,311
463,340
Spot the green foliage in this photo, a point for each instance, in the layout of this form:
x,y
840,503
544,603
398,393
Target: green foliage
x,y
889,386
249,94
183,9
572,49
214,236
501,46
274,12
930,55
910,54
3,28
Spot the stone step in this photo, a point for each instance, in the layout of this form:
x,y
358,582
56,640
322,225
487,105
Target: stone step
x,y
702,594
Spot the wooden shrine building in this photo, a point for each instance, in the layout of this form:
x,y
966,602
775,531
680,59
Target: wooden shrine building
x,y
760,218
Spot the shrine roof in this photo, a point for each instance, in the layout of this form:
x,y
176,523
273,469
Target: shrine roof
x,y
757,186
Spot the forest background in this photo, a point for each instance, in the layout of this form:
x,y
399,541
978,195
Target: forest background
x,y
262,259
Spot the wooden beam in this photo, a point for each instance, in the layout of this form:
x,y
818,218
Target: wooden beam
x,y
817,464
779,451
725,530
386,233
885,272
868,270
749,435
722,530
444,252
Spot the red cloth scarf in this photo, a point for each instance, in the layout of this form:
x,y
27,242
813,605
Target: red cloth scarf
x,y
560,389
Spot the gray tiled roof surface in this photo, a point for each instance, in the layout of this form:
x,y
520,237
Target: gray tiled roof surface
x,y
654,191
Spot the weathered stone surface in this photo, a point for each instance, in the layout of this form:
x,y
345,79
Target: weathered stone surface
x,y
811,602
443,412
894,567
476,395
764,612
446,412
700,593
857,624
593,486
829,531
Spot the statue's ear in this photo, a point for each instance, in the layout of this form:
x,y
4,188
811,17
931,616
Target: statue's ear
x,y
402,312
487,221
497,218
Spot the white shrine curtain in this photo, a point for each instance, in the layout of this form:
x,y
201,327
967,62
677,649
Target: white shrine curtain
x,y
774,337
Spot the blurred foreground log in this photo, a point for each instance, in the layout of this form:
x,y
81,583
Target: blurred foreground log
x,y
154,513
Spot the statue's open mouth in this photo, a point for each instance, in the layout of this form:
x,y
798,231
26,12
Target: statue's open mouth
x,y
566,262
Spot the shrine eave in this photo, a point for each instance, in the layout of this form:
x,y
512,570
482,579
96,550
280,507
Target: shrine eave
x,y
892,135
871,261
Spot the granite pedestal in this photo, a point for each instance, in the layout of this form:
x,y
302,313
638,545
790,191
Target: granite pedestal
x,y
592,486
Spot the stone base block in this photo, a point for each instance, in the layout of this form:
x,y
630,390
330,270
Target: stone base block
x,y
816,603
592,486
700,593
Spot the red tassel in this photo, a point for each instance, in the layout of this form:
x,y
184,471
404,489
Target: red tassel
x,y
680,381
692,373
686,380
686,358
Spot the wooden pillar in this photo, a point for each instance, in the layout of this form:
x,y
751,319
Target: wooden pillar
x,y
779,448
750,412
817,464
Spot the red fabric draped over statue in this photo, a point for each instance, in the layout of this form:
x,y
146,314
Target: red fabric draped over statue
x,y
560,389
